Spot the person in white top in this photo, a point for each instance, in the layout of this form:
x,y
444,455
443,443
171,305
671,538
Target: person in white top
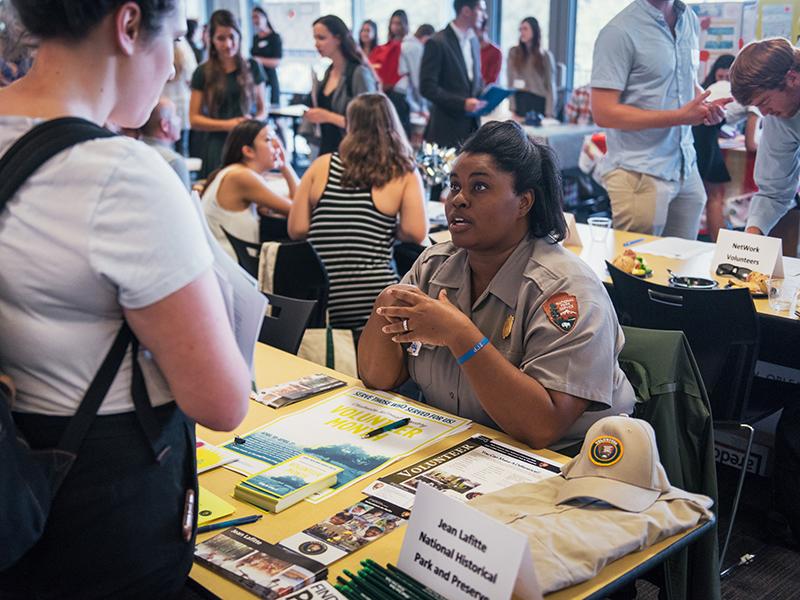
x,y
237,191
105,233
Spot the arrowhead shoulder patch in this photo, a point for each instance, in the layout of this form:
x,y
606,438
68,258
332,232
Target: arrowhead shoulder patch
x,y
562,311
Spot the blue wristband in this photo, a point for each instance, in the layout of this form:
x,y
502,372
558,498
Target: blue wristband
x,y
472,351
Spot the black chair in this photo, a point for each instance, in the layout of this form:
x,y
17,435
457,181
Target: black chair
x,y
405,253
723,332
273,229
300,273
247,253
284,327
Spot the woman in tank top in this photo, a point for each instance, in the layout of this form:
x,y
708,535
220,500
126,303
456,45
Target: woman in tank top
x,y
353,204
237,191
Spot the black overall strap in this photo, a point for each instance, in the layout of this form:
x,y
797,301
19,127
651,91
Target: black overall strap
x,y
24,157
38,146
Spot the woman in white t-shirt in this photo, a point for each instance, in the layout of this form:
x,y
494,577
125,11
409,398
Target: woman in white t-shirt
x,y
101,233
237,192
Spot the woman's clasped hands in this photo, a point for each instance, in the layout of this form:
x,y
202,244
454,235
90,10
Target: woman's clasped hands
x,y
412,315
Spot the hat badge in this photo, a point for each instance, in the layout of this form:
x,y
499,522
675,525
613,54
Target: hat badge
x,y
605,451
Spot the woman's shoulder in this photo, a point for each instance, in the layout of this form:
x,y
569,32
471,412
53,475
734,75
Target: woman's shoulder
x,y
323,162
550,264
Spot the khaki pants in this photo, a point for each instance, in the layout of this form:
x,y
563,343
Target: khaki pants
x,y
648,204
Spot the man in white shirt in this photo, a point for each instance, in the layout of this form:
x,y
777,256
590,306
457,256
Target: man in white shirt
x,y
161,131
410,64
450,76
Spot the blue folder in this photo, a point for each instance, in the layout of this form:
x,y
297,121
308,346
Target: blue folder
x,y
493,95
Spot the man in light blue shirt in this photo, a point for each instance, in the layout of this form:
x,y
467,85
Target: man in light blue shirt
x,y
766,74
645,92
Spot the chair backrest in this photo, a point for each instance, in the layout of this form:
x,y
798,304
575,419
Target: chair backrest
x,y
299,273
721,326
285,326
246,253
273,229
405,254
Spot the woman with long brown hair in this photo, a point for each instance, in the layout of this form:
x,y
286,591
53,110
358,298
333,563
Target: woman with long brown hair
x,y
348,76
348,204
226,89
531,71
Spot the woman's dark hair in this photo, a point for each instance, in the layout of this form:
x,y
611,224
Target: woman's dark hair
x,y
400,14
263,13
534,167
244,134
215,75
723,62
74,19
374,27
338,29
521,56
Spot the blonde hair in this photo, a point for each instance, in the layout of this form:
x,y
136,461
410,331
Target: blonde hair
x,y
375,149
762,66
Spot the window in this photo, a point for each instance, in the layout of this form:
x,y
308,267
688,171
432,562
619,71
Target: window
x,y
341,8
592,16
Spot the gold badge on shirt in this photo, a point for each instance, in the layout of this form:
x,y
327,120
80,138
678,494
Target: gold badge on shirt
x,y
509,323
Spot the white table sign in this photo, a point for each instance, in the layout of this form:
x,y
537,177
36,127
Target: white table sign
x,y
460,552
573,237
755,252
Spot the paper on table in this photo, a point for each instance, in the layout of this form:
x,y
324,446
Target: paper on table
x,y
332,430
245,304
672,247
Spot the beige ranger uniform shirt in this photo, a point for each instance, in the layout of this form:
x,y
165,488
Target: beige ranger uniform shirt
x,y
578,358
572,542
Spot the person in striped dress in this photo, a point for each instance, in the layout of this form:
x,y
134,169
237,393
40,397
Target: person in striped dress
x,y
352,205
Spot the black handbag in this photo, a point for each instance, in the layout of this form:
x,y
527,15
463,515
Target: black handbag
x,y
29,479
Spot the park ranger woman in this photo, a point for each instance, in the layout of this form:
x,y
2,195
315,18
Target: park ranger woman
x,y
503,325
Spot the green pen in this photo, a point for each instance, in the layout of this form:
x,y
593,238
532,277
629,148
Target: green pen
x,y
394,589
413,582
398,587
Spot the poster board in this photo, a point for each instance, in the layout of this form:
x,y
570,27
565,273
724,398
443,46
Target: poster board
x,y
725,27
779,18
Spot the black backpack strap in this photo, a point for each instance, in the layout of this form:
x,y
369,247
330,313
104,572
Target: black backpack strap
x,y
19,162
78,426
145,413
38,146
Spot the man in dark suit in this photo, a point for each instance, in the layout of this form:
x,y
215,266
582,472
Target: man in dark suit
x,y
450,76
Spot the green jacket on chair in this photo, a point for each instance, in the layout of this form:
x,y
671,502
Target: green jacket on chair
x,y
671,397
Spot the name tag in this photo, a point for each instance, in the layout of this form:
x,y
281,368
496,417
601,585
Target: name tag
x,y
519,84
263,43
756,252
462,553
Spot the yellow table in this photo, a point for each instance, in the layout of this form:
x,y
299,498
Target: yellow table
x,y
596,253
274,366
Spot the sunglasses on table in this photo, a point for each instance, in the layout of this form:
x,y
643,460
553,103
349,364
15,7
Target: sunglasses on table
x,y
729,270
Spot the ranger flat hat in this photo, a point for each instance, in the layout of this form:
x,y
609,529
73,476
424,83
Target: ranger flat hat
x,y
618,464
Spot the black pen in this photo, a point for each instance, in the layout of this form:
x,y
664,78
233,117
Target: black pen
x,y
385,428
